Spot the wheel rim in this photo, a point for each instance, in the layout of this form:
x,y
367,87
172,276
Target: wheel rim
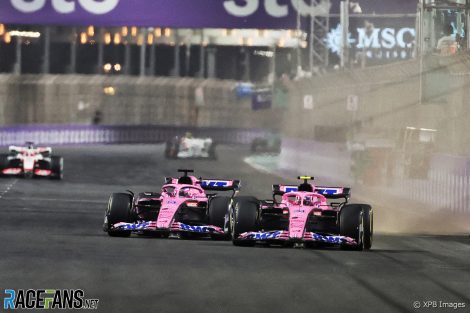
x,y
361,231
232,221
227,226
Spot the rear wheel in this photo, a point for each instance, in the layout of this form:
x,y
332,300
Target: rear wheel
x,y
171,149
119,210
368,226
212,154
243,218
356,222
218,209
57,167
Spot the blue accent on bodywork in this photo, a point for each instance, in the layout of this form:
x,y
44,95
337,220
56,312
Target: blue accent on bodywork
x,y
291,189
137,226
264,236
214,183
328,239
197,229
327,191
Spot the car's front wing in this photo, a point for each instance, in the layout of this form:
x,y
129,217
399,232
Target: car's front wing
x,y
175,227
13,171
283,235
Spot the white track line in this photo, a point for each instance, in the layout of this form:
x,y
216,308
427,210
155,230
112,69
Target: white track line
x,y
8,187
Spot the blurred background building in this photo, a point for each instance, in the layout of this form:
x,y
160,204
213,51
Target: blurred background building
x,y
253,40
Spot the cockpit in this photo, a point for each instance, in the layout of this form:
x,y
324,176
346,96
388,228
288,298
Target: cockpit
x,y
189,192
310,199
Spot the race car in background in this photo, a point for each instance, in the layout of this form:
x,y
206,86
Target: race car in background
x,y
305,216
181,209
269,144
31,161
189,147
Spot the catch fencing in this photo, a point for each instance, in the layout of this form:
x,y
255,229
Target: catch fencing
x,y
82,134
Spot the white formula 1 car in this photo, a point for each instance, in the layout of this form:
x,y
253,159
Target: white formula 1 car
x,y
30,161
189,147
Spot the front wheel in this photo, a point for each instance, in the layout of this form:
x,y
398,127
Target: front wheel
x,y
212,154
356,222
244,218
119,210
3,163
218,209
171,150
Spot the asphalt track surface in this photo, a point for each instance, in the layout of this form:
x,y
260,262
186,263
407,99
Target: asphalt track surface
x,y
52,238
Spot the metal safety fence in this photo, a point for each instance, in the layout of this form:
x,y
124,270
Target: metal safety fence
x,y
112,134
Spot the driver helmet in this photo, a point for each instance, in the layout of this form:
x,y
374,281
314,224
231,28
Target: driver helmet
x,y
308,200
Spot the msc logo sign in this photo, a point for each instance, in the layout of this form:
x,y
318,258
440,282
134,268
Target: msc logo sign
x,y
66,6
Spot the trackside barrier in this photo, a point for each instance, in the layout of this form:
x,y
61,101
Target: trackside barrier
x,y
446,187
84,134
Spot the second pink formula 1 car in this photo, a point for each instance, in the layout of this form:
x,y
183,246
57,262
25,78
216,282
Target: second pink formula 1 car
x,y
182,208
305,215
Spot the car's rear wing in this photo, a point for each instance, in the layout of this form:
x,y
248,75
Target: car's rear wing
x,y
18,149
328,192
334,192
220,185
279,190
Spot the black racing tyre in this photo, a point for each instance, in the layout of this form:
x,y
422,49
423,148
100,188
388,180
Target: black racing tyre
x,y
3,163
167,149
244,218
119,210
57,167
171,149
356,221
218,209
257,144
228,226
368,226
211,152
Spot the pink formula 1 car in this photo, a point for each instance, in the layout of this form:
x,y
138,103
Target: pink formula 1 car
x,y
305,215
31,161
181,209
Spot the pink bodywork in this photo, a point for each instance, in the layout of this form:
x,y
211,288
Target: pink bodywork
x,y
173,195
171,199
299,210
298,206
